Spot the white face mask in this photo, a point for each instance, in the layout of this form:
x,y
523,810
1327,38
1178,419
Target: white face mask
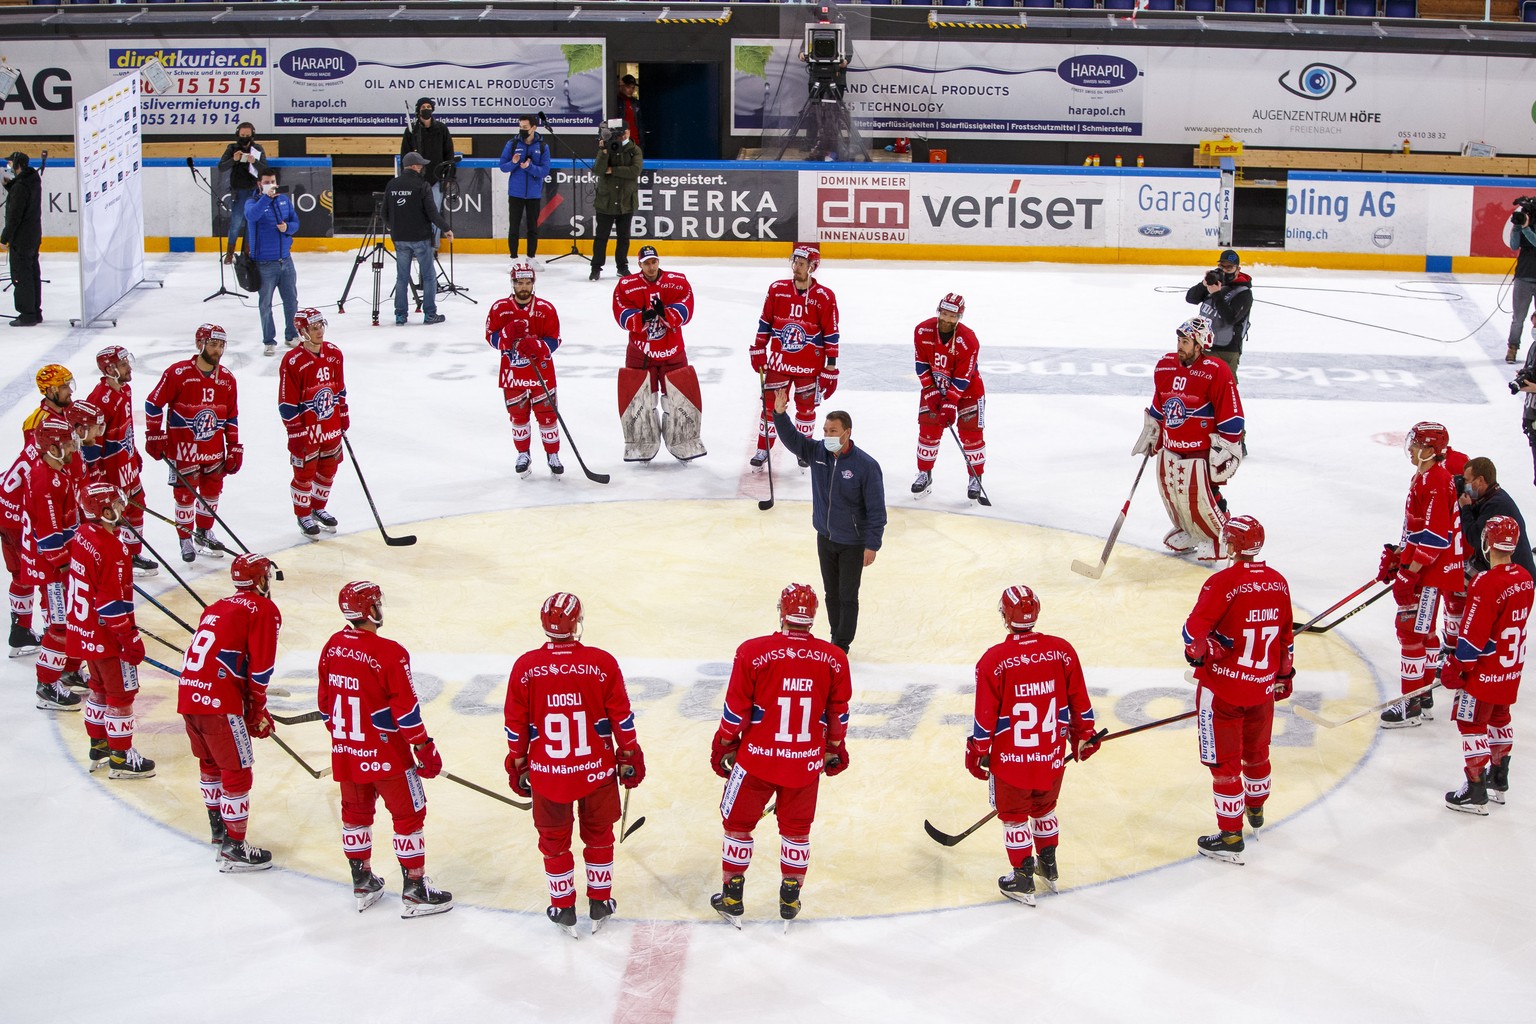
x,y
832,444
270,188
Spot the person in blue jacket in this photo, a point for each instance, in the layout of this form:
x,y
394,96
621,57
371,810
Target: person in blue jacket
x,y
847,510
270,224
525,158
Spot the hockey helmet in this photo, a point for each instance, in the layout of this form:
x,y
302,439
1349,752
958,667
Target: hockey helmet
x,y
53,376
307,319
84,415
797,606
109,359
54,432
1020,607
808,251
1198,330
1243,537
253,572
523,270
561,616
1428,434
210,332
952,304
101,502
362,600
1501,533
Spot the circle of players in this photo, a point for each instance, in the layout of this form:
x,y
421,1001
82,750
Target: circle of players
x,y
72,512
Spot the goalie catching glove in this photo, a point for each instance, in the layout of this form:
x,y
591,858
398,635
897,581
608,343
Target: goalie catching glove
x,y
1226,456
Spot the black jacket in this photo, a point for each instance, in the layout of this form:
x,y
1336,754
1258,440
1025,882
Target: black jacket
x,y
1496,502
24,210
433,142
1523,240
409,210
243,174
1227,309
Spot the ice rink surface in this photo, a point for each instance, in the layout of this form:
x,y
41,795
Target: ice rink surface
x,y
1364,899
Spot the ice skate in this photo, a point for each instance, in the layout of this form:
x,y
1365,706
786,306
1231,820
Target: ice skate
x,y
1019,884
1426,706
54,697
555,465
728,903
789,899
1255,817
419,899
237,856
1405,714
524,464
188,551
367,887
973,489
216,832
327,521
563,918
922,484
100,754
600,911
1498,780
145,567
309,528
1471,798
73,681
23,640
130,764
207,542
758,458
1179,542
1222,846
1045,866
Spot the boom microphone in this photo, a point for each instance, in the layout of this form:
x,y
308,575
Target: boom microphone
x,y
543,120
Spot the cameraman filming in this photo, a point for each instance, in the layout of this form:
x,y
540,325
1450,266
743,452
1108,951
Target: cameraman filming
x,y
1225,297
1522,239
411,216
245,163
525,158
1525,383
618,166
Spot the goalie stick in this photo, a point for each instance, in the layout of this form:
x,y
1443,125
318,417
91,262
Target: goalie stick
x,y
1316,719
597,478
1093,572
394,542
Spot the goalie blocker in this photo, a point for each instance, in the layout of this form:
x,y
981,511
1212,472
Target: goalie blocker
x,y
677,422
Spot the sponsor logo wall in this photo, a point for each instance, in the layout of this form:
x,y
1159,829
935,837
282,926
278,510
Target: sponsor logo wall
x,y
726,202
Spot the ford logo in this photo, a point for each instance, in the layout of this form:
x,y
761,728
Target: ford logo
x,y
1155,230
1382,239
1097,71
318,63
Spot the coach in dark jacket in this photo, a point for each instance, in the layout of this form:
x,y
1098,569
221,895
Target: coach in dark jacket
x,y
22,237
1481,500
847,509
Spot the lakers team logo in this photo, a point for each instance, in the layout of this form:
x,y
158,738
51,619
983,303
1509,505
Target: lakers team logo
x,y
324,403
204,425
1174,413
792,338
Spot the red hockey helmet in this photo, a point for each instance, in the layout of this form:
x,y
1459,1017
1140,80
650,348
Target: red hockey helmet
x,y
1020,607
84,414
1428,434
561,616
797,606
210,332
1243,537
523,270
808,251
362,600
307,319
53,376
1198,330
252,572
953,304
107,360
1501,533
99,499
54,432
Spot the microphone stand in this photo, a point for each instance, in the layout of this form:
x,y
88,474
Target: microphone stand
x,y
575,161
202,180
446,286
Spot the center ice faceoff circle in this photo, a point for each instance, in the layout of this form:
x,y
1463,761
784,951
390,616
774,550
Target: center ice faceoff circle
x,y
670,588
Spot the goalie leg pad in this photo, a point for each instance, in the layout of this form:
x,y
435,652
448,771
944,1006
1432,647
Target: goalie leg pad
x,y
637,416
682,413
1185,485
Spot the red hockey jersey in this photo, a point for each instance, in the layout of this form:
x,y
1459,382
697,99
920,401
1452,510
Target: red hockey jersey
x,y
100,594
367,698
661,339
1493,632
1193,402
200,413
312,396
517,373
1030,697
566,709
797,331
1246,608
230,658
120,459
951,367
788,701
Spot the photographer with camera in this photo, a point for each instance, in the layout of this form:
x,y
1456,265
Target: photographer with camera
x,y
618,166
525,158
1225,298
411,215
1481,499
245,162
1525,384
1522,239
270,223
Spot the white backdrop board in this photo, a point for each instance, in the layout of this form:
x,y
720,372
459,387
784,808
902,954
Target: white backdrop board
x,y
109,183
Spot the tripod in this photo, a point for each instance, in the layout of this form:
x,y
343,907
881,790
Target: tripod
x,y
202,180
576,161
445,286
835,132
372,250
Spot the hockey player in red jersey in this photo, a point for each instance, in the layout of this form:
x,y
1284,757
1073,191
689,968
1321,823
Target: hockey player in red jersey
x,y
1425,568
120,459
52,510
13,500
103,633
1238,638
379,748
192,420
1195,427
796,346
952,394
312,400
89,423
57,386
1031,702
222,699
785,722
1486,668
653,306
526,331
571,744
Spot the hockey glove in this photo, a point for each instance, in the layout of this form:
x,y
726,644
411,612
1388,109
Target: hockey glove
x,y
654,310
298,447
132,647
429,763
1083,749
154,444
1405,586
1454,674
631,766
1226,456
948,413
1285,684
259,725
722,753
827,381
517,774
932,400
837,758
1151,433
976,762
1388,567
234,459
759,356
531,348
1204,652
344,414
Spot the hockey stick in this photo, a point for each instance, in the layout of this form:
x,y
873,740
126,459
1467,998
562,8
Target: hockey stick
x,y
1353,611
169,614
481,789
167,520
394,542
174,574
207,507
597,478
762,386
272,691
625,833
295,755
1093,572
308,716
1103,736
1316,719
1302,627
161,640
983,500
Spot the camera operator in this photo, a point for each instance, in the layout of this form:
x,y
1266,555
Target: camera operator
x,y
270,223
1225,297
245,163
1522,239
411,215
618,166
1525,383
525,158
